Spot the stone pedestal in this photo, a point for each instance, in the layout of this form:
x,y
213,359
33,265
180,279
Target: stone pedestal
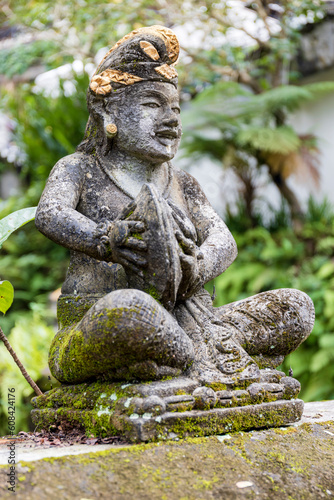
x,y
169,409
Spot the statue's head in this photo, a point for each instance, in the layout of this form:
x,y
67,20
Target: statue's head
x,y
132,98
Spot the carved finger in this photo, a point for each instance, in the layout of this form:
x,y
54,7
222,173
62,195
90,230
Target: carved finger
x,y
136,226
187,262
182,221
117,239
133,257
127,211
120,232
135,243
128,265
187,245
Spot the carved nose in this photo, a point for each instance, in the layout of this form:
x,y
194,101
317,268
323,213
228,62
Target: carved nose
x,y
171,122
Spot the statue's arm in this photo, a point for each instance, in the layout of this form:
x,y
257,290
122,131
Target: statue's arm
x,y
57,217
215,240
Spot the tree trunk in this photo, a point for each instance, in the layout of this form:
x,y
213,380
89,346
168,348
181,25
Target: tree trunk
x,y
290,197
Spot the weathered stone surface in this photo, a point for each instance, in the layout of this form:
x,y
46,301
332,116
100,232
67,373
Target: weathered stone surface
x,y
287,463
144,241
158,410
318,411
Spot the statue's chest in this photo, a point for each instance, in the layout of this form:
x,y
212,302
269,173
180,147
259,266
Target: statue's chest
x,y
100,198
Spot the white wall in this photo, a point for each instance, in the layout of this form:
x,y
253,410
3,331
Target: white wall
x,y
315,118
318,118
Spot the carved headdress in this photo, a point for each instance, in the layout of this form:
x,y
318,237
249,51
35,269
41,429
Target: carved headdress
x,y
144,54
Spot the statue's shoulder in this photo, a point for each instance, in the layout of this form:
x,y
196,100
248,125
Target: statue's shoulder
x,y
76,164
188,183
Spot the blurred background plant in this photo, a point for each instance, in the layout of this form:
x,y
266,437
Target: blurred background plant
x,y
280,256
239,85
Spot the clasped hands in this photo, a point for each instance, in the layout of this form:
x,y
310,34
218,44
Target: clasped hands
x,y
127,245
128,248
191,257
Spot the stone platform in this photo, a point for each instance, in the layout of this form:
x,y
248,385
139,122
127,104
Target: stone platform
x,y
293,462
178,407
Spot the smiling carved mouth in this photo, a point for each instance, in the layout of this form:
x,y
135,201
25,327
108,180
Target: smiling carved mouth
x,y
167,134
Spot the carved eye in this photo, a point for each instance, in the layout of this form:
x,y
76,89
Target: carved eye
x,y
151,104
176,110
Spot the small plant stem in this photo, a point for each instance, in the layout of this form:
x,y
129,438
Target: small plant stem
x,y
19,364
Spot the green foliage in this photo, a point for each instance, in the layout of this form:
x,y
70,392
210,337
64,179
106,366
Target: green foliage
x,y
281,140
226,113
30,339
6,296
81,28
14,221
301,259
13,64
237,128
78,29
48,128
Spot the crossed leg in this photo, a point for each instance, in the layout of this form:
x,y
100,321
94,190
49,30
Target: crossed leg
x,y
270,325
125,334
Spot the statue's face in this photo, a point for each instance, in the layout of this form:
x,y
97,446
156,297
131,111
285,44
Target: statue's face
x,y
148,121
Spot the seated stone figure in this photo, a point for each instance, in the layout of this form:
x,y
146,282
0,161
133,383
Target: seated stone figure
x,y
144,240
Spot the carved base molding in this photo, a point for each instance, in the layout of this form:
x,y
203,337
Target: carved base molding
x,y
169,409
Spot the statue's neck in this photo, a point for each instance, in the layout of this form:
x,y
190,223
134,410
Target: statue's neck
x,y
131,172
138,169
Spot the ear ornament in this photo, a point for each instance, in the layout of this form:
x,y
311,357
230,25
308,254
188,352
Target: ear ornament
x,y
111,130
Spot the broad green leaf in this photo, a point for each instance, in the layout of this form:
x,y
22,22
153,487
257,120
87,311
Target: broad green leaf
x,y
15,220
6,296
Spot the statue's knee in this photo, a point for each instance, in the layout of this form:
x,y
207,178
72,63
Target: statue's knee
x,y
298,311
58,355
127,298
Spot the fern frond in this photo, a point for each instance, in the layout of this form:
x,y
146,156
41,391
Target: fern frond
x,y
320,88
219,89
197,146
289,97
303,163
275,140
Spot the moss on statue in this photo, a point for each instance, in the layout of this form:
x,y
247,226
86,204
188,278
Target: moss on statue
x,y
86,406
87,359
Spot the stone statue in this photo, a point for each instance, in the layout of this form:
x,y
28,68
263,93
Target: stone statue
x,y
144,240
